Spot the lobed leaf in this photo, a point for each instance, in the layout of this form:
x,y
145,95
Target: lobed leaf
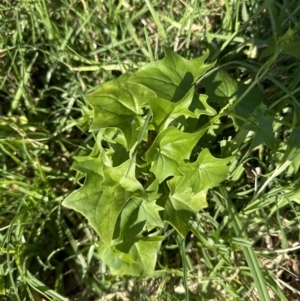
x,y
222,89
205,173
135,217
101,200
176,214
118,104
137,257
188,191
172,77
192,105
169,150
261,125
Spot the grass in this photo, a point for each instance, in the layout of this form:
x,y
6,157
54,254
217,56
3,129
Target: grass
x,y
52,54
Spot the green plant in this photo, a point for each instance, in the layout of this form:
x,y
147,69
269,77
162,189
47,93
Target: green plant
x,y
143,171
244,243
149,166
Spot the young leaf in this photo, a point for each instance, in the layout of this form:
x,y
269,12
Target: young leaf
x,y
149,212
222,88
136,215
173,76
168,151
136,258
193,201
176,214
165,112
118,104
102,200
205,173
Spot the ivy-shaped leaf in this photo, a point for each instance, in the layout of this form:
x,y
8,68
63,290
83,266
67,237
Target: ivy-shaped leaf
x,y
194,201
118,104
164,112
173,76
188,191
168,151
222,88
261,125
177,214
135,217
205,173
88,164
137,258
149,212
102,200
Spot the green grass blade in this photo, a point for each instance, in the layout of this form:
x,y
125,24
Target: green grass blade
x,y
155,16
41,288
251,258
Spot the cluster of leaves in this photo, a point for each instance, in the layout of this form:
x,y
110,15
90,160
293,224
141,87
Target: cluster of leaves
x,y
140,174
160,146
56,52
149,166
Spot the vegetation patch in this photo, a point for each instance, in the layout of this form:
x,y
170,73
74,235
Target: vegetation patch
x,y
149,150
